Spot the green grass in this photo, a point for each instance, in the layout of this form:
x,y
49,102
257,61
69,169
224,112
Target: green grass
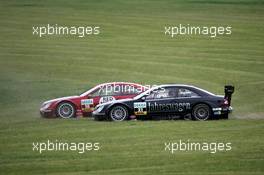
x,y
133,147
131,47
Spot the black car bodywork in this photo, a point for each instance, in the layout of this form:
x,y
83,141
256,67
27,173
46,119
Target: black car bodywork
x,y
169,102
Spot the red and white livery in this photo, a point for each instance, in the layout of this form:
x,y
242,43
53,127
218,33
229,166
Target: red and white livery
x,y
84,104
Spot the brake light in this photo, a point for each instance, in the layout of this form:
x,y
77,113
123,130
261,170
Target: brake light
x,y
225,102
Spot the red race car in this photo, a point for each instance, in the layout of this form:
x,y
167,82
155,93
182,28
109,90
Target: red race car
x,y
84,104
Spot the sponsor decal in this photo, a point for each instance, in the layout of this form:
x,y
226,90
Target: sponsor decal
x,y
87,105
140,108
87,101
106,99
177,107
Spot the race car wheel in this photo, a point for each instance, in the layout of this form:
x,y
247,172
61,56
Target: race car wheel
x,y
118,113
66,110
201,112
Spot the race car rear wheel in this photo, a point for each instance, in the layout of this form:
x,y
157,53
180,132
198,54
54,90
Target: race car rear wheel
x,y
201,112
66,110
118,113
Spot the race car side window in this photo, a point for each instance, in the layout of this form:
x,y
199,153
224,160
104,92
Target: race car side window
x,y
119,90
109,90
183,92
130,90
163,93
95,93
125,90
103,91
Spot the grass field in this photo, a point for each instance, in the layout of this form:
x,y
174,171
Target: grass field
x,y
131,47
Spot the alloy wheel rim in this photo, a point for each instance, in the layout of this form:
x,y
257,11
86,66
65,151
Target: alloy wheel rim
x,y
66,111
202,113
118,114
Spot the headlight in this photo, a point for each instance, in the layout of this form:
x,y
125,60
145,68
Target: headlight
x,y
45,106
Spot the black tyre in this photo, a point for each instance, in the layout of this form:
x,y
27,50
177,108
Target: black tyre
x,y
118,113
201,112
66,110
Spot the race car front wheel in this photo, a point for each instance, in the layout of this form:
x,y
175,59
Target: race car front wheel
x,y
201,112
65,110
118,113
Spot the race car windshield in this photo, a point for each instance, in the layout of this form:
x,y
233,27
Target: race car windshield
x,y
83,92
145,93
88,92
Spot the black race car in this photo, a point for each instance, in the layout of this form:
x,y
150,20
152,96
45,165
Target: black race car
x,y
169,102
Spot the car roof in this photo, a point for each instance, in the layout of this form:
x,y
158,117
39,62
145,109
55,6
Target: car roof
x,y
175,85
188,86
103,84
182,85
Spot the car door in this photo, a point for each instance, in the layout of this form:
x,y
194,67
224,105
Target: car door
x,y
160,102
107,93
111,92
100,95
88,104
185,99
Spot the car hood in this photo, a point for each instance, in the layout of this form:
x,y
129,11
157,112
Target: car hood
x,y
60,99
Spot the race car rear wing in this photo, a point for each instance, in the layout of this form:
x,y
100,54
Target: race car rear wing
x,y
229,90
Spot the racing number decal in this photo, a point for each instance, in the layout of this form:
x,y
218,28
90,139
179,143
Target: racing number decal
x,y
87,105
106,99
140,108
